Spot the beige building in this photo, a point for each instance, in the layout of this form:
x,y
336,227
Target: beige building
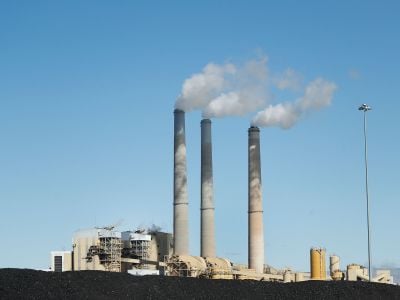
x,y
103,249
61,261
97,249
144,250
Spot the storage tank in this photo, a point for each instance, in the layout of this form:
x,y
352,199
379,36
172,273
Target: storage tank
x,y
287,276
299,277
334,264
317,262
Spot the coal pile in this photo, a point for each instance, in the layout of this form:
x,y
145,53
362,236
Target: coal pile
x,y
30,284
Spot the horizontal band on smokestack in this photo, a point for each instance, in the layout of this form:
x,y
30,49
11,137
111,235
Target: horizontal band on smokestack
x,y
181,222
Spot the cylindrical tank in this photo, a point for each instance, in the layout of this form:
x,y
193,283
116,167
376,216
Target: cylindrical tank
x,y
334,264
287,276
317,262
299,277
353,270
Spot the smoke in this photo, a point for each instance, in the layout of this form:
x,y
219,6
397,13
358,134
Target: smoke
x,y
284,115
288,80
226,90
221,90
318,94
154,229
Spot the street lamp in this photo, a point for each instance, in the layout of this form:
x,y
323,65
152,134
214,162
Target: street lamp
x,y
365,108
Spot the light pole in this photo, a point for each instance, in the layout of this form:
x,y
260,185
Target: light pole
x,y
365,108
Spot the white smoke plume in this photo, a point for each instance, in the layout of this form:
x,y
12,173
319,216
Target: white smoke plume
x,y
288,80
229,89
318,94
226,90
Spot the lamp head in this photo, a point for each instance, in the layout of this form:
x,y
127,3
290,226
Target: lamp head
x,y
364,107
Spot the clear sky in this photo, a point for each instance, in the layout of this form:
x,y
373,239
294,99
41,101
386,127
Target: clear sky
x,y
87,91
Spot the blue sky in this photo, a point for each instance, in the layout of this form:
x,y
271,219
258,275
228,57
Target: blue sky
x,y
87,90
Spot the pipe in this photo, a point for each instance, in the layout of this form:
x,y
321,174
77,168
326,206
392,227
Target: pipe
x,y
207,238
255,213
181,223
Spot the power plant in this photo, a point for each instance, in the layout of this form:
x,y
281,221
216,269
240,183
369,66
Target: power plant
x,y
150,251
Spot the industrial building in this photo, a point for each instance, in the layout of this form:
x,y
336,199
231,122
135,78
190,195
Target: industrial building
x,y
97,249
105,249
147,251
61,261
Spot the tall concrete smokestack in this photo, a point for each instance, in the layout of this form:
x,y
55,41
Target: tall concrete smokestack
x,y
256,230
181,226
207,239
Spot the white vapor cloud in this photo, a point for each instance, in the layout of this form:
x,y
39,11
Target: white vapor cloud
x,y
201,88
284,115
318,94
288,80
226,90
221,90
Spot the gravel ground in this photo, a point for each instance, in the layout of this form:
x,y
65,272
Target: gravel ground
x,y
30,284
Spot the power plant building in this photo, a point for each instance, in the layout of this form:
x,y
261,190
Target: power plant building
x,y
61,261
145,250
97,249
150,251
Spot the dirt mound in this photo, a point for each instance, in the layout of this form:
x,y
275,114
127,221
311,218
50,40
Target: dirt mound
x,y
30,284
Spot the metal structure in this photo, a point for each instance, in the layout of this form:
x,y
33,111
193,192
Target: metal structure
x,y
365,108
110,252
139,248
207,236
104,250
181,222
255,212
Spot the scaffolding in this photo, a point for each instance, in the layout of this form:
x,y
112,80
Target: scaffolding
x,y
108,250
110,253
141,250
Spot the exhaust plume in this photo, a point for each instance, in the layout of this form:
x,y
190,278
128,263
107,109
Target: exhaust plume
x,y
226,90
221,90
318,94
288,80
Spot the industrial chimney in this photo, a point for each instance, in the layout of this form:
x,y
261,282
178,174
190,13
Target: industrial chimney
x,y
207,239
181,226
256,230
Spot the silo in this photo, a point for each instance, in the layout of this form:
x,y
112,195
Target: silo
x,y
317,262
334,264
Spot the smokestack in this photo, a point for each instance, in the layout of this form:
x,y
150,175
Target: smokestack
x,y
256,230
181,226
207,239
